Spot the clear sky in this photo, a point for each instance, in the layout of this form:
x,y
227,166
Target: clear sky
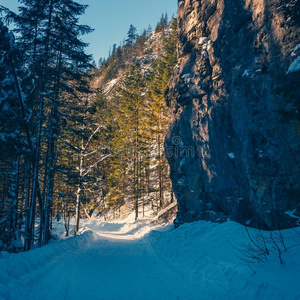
x,y
111,19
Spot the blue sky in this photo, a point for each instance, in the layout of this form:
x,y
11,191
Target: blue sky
x,y
112,18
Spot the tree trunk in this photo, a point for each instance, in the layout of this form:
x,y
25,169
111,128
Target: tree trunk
x,y
79,188
36,164
13,200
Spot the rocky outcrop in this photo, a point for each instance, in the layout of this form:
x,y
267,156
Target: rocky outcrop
x,y
234,142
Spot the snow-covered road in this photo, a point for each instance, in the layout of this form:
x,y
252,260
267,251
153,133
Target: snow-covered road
x,y
110,267
138,261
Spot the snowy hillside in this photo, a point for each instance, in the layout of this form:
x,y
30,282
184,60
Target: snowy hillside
x,y
137,260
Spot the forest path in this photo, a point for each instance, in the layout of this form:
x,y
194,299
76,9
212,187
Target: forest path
x,y
116,263
135,260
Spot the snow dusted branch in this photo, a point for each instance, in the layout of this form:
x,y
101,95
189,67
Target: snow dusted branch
x,y
95,164
92,135
92,152
262,245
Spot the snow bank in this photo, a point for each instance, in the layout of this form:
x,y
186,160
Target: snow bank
x,y
13,267
204,254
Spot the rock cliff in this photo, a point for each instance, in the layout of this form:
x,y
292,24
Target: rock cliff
x,y
234,142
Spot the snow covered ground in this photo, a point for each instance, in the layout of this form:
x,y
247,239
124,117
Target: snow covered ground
x,y
137,260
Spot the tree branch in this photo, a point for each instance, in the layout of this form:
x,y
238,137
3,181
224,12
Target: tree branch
x,y
94,165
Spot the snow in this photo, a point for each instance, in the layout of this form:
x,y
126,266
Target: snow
x,y
6,136
3,137
129,259
180,3
295,50
186,77
163,211
4,97
246,73
231,155
110,85
206,43
291,213
203,40
295,66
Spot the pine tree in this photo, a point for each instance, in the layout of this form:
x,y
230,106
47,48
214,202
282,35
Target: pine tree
x,y
130,141
69,50
163,23
130,41
158,84
140,42
137,121
131,36
14,135
50,49
114,50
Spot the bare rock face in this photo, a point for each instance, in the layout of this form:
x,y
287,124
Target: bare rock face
x,y
234,143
